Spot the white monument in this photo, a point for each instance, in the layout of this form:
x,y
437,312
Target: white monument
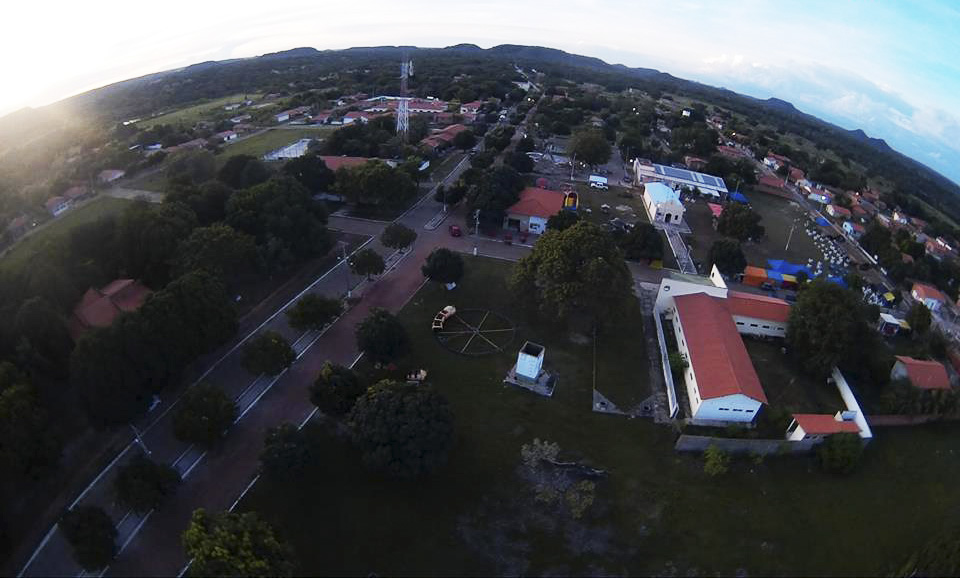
x,y
530,360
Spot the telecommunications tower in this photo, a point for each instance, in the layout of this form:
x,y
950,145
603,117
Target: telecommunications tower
x,y
403,107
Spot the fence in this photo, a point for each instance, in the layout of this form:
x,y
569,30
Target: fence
x,y
692,443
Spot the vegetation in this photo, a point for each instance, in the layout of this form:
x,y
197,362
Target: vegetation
x,y
375,183
728,257
840,453
443,266
382,337
267,354
203,415
919,318
287,452
311,172
231,544
826,326
495,191
91,534
30,443
739,222
336,389
367,262
313,312
940,556
220,249
403,430
243,171
643,241
716,462
590,147
398,236
562,220
143,484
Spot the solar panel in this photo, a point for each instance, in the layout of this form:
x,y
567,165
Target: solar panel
x,y
707,179
677,173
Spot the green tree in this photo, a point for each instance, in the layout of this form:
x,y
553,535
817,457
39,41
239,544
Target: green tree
x,y
840,453
208,201
243,171
919,318
826,326
525,145
233,544
398,236
148,237
268,353
221,250
641,242
727,255
483,159
740,222
443,266
287,452
336,389
29,443
91,534
143,484
403,430
382,337
678,365
519,161
940,556
498,188
375,183
563,220
464,139
715,461
203,415
578,272
311,172
39,326
313,312
191,167
590,147
367,262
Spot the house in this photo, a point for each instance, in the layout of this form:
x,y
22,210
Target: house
x,y
110,175
797,175
814,426
775,161
56,206
772,185
241,118
694,163
888,325
645,171
822,197
733,152
535,207
442,138
224,136
922,374
758,315
928,295
662,203
854,230
17,227
838,212
471,107
75,193
99,307
232,106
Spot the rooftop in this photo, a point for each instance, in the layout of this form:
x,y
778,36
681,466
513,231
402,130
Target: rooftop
x,y
821,423
757,306
661,193
925,374
537,202
924,291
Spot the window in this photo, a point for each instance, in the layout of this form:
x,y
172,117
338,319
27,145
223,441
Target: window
x,y
724,409
753,325
739,322
748,410
766,327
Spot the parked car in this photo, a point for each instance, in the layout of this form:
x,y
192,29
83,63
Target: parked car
x,y
455,231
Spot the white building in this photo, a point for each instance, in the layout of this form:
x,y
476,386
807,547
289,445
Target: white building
x,y
706,184
662,203
814,426
928,295
535,207
530,360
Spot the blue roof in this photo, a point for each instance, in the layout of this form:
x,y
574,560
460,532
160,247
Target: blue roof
x,y
661,193
739,197
775,275
822,222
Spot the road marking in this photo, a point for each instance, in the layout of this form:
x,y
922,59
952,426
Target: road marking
x,y
93,483
243,493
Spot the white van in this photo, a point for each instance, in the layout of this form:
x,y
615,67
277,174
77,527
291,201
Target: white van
x,y
598,182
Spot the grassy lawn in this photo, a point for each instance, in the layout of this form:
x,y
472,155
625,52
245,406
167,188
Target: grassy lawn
x,y
33,245
700,220
189,116
624,203
779,216
155,181
657,512
787,388
260,144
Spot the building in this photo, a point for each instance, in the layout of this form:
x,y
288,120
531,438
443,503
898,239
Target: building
x,y
922,374
815,426
694,163
644,172
110,175
838,212
888,325
531,212
662,203
58,205
758,315
99,307
775,161
797,175
224,136
855,230
928,295
733,152
291,151
772,185
76,193
443,138
471,107
822,197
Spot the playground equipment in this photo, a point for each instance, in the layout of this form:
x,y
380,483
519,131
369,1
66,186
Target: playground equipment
x,y
440,318
472,332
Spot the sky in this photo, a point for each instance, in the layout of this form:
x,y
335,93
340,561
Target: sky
x,y
890,68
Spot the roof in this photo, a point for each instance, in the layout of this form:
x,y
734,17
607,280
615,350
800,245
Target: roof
x,y
661,193
758,306
717,353
537,202
74,192
715,209
751,271
770,181
99,308
333,162
924,291
838,210
53,202
925,374
822,423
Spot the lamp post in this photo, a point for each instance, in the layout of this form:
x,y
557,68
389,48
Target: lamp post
x,y
346,266
139,439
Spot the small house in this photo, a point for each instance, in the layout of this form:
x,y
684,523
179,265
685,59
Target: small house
x,y
923,374
58,205
888,325
838,212
662,203
813,426
533,210
110,175
928,295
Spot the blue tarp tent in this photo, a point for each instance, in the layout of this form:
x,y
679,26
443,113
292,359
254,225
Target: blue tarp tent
x,y
838,280
739,197
788,267
774,275
822,222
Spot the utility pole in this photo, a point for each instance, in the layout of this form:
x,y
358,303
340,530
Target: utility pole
x,y
573,163
346,266
476,222
139,439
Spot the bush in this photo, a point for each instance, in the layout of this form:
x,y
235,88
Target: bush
x,y
715,461
142,485
840,453
91,534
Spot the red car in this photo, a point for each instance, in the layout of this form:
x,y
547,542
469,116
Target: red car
x,y
455,231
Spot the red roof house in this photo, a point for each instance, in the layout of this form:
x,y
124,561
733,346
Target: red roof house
x,y
99,307
824,424
537,202
921,373
757,306
333,162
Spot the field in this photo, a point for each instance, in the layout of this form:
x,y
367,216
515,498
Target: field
x,y
190,115
785,387
31,246
657,512
260,144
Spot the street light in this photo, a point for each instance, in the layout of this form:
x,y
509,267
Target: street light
x,y
346,266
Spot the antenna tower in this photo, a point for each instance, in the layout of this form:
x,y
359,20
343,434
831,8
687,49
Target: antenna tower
x,y
403,107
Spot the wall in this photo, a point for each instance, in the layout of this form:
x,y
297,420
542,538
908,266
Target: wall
x,y
852,404
665,365
725,409
900,420
691,443
670,288
764,327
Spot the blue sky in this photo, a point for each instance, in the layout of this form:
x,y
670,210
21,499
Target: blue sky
x,y
887,67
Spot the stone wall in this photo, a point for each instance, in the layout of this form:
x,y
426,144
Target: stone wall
x,y
692,443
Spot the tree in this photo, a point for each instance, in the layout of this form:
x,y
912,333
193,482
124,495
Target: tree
x,y
29,443
313,312
191,166
519,161
577,272
826,326
148,237
42,329
382,337
464,139
367,262
840,453
715,461
525,145
91,534
311,172
208,201
678,365
375,183
398,236
268,354
740,222
919,318
483,159
590,147
498,188
403,430
221,250
233,544
940,556
641,242
727,255
243,171
563,220
443,266
287,451
336,389
203,415
143,484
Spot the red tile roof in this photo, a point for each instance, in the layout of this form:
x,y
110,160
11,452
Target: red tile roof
x,y
797,174
838,210
537,202
53,202
74,192
824,424
924,291
99,308
717,354
770,181
925,374
757,306
333,162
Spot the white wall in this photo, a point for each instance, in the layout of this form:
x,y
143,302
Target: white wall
x,y
760,327
736,407
670,288
537,225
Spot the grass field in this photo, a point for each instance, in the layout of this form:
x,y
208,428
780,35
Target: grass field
x,y
32,246
190,115
657,512
260,144
785,387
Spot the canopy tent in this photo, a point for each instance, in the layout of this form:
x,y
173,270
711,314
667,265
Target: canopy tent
x,y
822,222
716,209
739,197
788,267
